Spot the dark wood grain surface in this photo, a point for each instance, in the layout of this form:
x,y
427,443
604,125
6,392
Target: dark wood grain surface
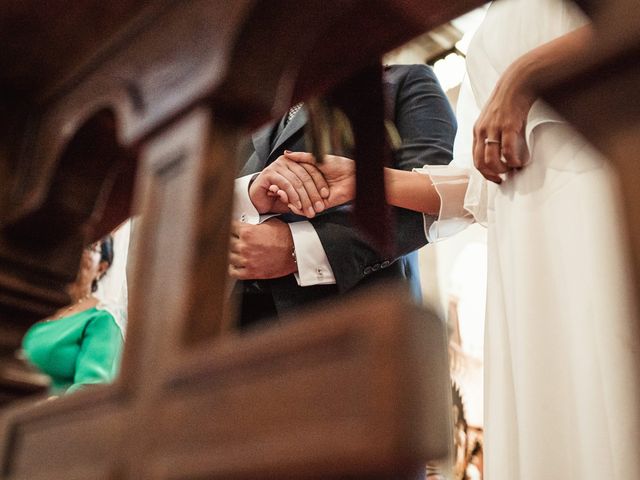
x,y
114,108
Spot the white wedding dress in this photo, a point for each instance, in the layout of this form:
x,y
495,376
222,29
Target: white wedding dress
x,y
562,348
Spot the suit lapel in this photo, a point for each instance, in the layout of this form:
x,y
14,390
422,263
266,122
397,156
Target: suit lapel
x,y
296,123
262,142
258,158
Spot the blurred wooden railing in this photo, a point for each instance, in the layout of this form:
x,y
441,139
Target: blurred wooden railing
x,y
113,107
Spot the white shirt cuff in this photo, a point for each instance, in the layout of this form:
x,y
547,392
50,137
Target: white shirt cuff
x,y
243,209
313,264
451,184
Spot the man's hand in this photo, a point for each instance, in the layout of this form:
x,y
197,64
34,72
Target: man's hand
x,y
259,252
305,189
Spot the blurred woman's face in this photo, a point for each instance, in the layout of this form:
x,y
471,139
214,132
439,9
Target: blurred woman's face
x,y
91,268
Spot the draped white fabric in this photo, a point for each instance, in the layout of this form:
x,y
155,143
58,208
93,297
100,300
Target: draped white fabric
x,y
459,207
562,390
112,289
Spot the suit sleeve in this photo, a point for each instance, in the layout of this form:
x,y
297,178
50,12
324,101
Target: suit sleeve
x,y
427,126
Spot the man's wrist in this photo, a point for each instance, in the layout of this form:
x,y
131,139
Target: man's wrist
x,y
243,208
253,193
312,267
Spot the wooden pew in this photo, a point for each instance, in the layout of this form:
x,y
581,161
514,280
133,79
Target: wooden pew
x,y
599,97
98,96
358,389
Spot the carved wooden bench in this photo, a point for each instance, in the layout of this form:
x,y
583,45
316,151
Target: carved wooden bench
x,y
99,96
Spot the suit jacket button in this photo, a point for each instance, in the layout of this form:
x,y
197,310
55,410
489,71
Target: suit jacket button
x,y
376,267
385,264
367,270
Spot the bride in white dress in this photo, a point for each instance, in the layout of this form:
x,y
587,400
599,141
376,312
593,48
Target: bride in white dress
x,y
562,383
562,347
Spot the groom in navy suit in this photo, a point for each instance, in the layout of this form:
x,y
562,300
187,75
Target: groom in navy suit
x,y
294,260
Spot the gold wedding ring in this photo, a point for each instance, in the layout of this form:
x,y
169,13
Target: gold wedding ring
x,y
487,141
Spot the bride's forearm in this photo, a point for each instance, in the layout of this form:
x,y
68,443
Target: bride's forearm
x,y
411,190
535,67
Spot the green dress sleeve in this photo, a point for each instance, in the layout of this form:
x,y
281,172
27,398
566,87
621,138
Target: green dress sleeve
x,y
98,360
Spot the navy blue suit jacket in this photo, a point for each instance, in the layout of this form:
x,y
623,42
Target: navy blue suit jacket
x,y
427,126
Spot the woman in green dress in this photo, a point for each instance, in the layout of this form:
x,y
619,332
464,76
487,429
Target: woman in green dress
x,y
81,344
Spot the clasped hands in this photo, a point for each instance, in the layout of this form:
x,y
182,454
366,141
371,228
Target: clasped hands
x,y
295,183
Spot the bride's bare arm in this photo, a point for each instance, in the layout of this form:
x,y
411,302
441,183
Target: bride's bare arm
x,y
410,190
500,129
437,191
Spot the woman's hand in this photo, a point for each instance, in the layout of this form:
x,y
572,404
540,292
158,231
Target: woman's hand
x,y
338,173
499,133
500,130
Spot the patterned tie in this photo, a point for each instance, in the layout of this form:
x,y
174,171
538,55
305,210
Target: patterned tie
x,y
292,112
